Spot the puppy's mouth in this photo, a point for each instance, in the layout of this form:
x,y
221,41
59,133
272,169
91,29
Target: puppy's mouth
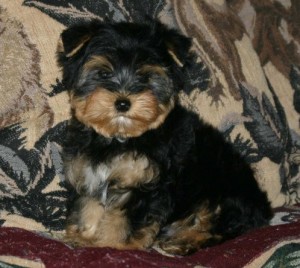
x,y
122,125
117,116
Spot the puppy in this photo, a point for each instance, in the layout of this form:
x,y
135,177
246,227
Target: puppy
x,y
147,171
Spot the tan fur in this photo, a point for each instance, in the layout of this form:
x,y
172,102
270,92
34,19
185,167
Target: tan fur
x,y
131,170
98,111
152,69
90,217
96,226
98,62
175,58
123,171
189,233
74,171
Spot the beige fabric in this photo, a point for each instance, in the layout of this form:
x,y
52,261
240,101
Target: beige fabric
x,y
263,258
230,39
30,39
241,44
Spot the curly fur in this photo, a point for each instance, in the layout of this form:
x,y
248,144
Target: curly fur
x,y
147,171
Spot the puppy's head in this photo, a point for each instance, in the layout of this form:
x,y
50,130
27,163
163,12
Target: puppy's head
x,y
123,78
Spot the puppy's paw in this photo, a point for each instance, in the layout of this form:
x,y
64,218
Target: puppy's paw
x,y
185,244
179,247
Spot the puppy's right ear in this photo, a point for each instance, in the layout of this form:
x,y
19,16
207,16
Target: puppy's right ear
x,y
72,43
74,38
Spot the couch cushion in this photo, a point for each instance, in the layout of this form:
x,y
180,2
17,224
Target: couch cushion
x,y
244,80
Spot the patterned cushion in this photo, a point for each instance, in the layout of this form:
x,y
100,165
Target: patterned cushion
x,y
245,80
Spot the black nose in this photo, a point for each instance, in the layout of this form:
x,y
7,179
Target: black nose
x,y
122,105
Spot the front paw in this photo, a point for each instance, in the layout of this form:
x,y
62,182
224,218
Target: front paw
x,y
76,236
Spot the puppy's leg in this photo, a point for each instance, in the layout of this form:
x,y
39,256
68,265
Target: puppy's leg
x,y
93,225
90,224
190,234
84,221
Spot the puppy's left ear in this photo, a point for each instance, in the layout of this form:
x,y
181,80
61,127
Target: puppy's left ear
x,y
177,44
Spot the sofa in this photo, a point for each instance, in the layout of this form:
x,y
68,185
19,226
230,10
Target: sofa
x,y
244,79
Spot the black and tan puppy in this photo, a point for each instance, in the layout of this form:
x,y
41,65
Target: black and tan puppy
x,y
146,170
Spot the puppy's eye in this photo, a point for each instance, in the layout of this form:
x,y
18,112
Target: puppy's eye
x,y
103,74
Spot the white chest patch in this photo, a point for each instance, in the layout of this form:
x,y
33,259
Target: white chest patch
x,y
96,180
125,170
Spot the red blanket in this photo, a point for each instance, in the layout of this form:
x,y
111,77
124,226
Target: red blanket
x,y
272,245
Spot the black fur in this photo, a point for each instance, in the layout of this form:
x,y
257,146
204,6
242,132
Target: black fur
x,y
197,167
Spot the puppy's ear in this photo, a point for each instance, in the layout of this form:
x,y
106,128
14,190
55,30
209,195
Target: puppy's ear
x,y
177,44
178,47
75,37
72,43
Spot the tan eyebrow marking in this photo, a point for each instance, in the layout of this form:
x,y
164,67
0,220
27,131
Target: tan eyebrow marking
x,y
152,69
100,62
